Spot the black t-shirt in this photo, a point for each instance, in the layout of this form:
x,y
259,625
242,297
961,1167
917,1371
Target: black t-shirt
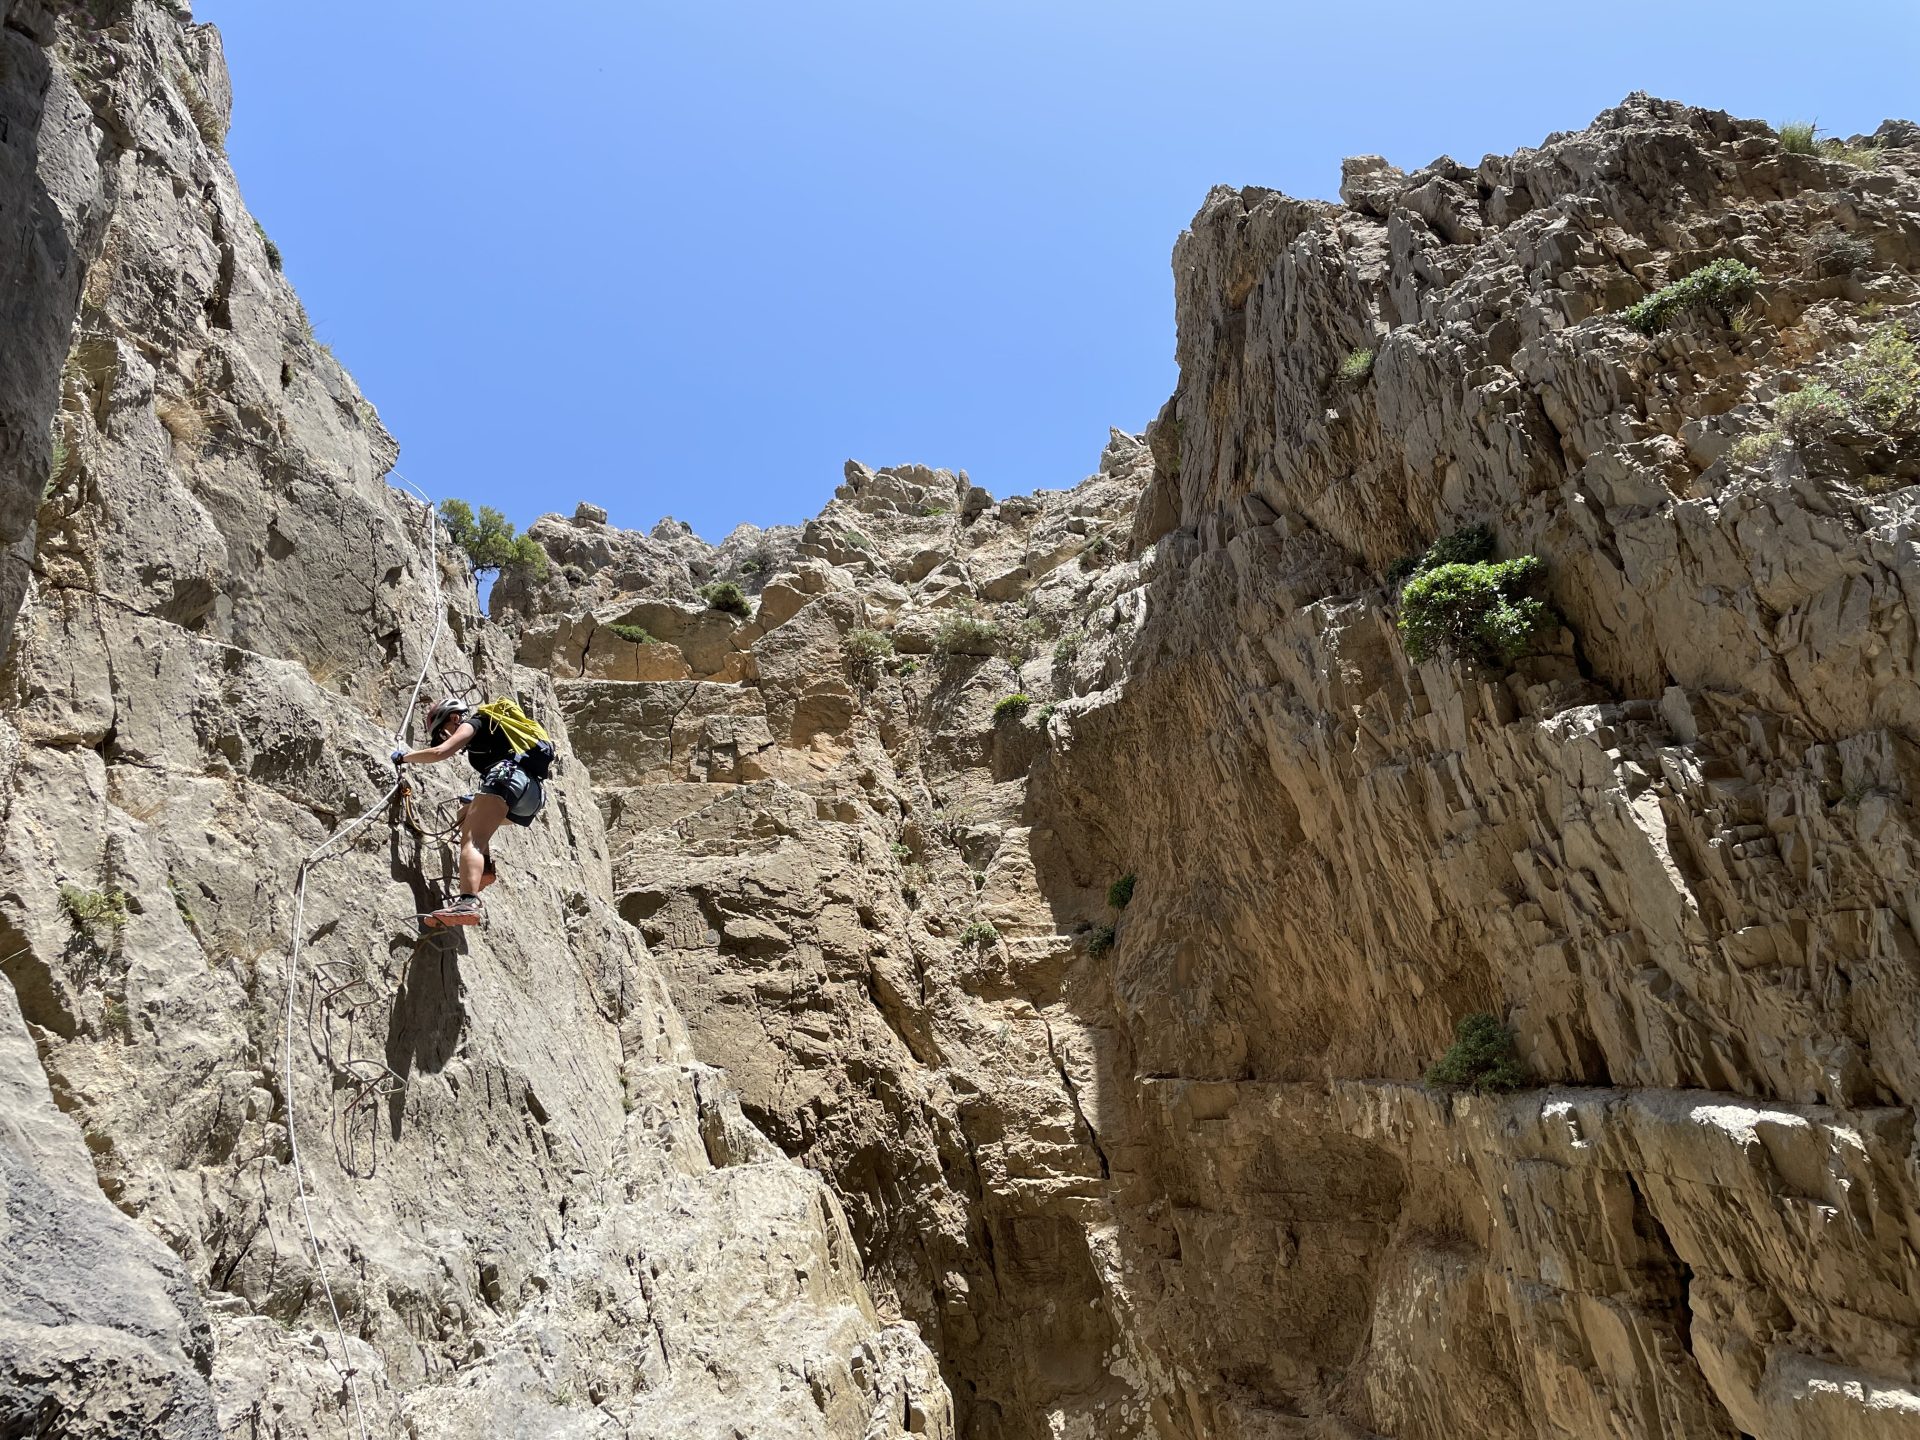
x,y
489,745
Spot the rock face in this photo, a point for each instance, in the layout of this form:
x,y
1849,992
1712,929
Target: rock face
x,y
535,1212
1163,1164
1076,886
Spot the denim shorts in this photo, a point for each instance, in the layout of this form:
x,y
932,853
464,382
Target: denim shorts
x,y
520,790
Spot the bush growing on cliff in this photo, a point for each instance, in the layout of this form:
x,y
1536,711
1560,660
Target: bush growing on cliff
x,y
1810,412
1718,289
266,243
966,633
1120,892
979,935
1100,940
632,634
865,652
1462,547
1478,612
727,597
490,541
1481,1057
1356,367
93,911
1011,707
1796,137
1882,380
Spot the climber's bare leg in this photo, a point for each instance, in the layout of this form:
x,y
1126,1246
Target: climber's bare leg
x,y
481,816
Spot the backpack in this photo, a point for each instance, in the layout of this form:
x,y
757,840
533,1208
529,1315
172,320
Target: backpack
x,y
533,747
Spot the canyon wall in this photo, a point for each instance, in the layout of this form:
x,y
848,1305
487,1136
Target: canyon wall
x,y
519,1205
1171,1169
978,980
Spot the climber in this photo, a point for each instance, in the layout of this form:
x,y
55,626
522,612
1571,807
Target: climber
x,y
510,787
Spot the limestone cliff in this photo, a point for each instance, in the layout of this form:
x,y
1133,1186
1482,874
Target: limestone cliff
x,y
528,1210
1164,1164
979,982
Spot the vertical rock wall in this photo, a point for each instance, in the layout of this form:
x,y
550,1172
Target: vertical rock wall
x,y
1169,1169
536,1213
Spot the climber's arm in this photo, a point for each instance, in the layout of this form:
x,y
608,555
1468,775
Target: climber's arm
x,y
452,745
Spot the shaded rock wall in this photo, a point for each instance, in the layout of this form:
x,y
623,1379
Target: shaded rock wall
x,y
1169,1170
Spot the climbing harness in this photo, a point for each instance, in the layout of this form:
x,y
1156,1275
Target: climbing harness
x,y
334,844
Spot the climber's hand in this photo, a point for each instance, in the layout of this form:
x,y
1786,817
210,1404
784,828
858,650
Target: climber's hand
x,y
399,757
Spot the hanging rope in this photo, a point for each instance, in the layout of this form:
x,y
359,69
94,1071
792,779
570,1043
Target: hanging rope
x,y
332,845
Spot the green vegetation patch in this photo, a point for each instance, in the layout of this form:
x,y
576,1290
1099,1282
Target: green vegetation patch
x,y
1120,892
1100,940
632,634
728,597
1356,367
979,936
1011,707
1481,1057
93,911
1719,289
1478,612
1462,547
1797,137
1882,380
965,633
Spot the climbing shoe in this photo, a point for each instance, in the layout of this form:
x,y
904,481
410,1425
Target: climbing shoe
x,y
464,911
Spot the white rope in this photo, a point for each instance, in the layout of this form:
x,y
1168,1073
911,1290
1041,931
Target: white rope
x,y
319,853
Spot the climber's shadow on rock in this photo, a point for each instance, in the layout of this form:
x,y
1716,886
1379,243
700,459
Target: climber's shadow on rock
x,y
423,1030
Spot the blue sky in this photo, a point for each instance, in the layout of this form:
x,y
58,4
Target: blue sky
x,y
687,259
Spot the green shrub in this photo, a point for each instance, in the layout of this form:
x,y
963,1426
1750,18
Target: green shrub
x,y
726,596
1120,892
200,110
1755,449
1462,547
866,649
979,935
1810,412
927,512
1796,137
1864,156
266,241
1356,367
490,541
854,540
632,634
91,911
1882,379
1011,707
1045,717
1475,612
1100,940
1719,288
1065,649
1481,1057
966,633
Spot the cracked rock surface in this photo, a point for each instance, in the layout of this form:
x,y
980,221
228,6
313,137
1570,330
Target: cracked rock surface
x,y
537,1213
1169,1169
984,989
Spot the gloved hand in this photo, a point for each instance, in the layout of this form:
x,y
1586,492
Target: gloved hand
x,y
399,757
